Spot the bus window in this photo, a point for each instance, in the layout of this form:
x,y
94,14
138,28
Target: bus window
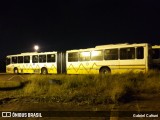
x,y
111,54
140,52
73,57
42,58
8,61
14,59
20,59
155,54
26,59
51,58
127,53
35,58
84,56
96,55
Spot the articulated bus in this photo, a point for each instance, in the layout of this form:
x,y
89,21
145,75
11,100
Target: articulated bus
x,y
156,56
104,59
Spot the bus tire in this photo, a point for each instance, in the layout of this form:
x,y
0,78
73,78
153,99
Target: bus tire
x,y
15,70
44,71
105,71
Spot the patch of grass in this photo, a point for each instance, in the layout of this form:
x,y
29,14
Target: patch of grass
x,y
9,84
90,89
150,83
38,85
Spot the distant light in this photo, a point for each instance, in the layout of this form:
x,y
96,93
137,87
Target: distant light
x,y
96,53
86,54
36,48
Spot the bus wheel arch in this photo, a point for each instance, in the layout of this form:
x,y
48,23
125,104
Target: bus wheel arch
x,y
15,70
44,71
105,70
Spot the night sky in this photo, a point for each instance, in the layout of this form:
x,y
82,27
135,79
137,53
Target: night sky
x,y
75,24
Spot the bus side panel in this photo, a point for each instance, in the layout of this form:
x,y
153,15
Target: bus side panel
x,y
133,65
91,67
51,67
82,68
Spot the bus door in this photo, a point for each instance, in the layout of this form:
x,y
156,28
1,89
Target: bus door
x,y
34,68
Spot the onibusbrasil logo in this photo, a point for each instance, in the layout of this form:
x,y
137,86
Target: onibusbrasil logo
x,y
21,114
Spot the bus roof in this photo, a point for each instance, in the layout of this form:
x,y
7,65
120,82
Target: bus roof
x,y
32,53
156,46
121,45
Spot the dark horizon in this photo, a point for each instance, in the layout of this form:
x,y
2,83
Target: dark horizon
x,y
65,25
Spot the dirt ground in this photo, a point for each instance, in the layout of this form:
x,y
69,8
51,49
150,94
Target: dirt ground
x,y
143,103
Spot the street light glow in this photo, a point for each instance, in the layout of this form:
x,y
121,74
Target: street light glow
x,y
36,47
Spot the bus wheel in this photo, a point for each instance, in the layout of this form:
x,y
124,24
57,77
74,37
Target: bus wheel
x,y
44,71
15,70
105,71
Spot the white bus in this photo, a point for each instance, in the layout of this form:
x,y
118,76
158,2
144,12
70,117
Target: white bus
x,y
113,58
45,62
156,56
